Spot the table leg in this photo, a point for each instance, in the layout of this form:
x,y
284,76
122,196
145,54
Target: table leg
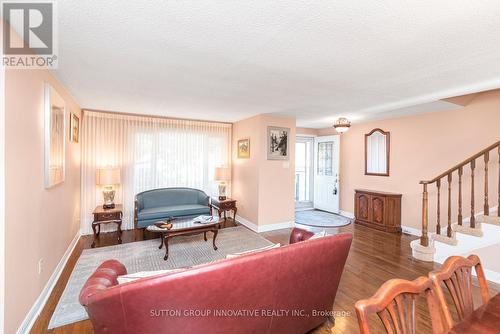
x,y
161,240
95,235
205,236
119,232
234,216
216,230
166,248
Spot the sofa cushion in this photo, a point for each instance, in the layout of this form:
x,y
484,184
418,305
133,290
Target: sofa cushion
x,y
162,212
262,249
145,274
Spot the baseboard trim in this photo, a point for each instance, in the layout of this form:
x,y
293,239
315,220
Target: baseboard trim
x,y
247,223
347,214
304,209
264,228
277,226
411,231
491,276
37,307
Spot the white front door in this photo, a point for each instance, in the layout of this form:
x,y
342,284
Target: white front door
x,y
326,173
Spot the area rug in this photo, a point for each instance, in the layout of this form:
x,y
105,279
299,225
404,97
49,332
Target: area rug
x,y
318,218
184,251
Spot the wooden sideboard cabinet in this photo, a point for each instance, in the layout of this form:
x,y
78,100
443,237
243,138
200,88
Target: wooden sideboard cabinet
x,y
378,209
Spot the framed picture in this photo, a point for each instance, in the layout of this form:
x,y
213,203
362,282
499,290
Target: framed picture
x,y
74,128
55,135
244,148
278,143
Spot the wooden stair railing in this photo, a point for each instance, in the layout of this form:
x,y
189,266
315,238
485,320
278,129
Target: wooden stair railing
x,y
424,239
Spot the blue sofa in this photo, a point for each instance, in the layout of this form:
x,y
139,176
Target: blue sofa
x,y
158,204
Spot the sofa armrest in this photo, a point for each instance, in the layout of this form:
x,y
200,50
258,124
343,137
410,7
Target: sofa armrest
x,y
299,235
105,276
203,199
139,202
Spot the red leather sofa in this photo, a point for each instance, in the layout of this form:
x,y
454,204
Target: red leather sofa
x,y
290,289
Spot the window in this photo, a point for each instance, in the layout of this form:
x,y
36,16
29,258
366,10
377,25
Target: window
x,y
325,159
151,153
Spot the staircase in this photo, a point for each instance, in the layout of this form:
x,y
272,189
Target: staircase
x,y
451,233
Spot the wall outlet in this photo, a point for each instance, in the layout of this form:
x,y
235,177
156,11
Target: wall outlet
x,y
40,266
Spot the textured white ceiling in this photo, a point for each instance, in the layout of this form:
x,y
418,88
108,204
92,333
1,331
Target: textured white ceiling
x,y
316,60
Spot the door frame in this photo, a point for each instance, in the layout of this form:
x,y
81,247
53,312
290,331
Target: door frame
x,y
307,205
337,159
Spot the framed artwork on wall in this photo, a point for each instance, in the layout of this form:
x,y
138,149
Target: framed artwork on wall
x,y
74,128
244,148
278,143
55,136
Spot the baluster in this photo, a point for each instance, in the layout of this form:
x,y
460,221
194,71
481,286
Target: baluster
x,y
424,239
472,218
438,225
460,172
486,210
448,230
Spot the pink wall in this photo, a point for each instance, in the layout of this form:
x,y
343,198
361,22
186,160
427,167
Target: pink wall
x,y
276,178
307,131
422,147
264,188
40,223
245,178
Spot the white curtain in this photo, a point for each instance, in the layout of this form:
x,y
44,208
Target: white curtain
x,y
151,153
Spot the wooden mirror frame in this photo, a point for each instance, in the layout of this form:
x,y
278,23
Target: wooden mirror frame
x,y
387,151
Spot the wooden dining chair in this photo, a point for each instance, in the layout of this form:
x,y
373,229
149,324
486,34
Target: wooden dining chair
x,y
456,274
395,303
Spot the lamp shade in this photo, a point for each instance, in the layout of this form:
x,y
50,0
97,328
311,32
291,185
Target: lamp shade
x,y
108,176
222,174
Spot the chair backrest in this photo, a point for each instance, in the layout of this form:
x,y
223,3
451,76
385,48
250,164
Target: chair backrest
x,y
171,196
456,274
395,303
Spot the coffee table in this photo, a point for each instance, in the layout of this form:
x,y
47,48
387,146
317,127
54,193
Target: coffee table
x,y
185,226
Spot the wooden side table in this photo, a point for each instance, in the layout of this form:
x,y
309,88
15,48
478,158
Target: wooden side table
x,y
222,206
106,216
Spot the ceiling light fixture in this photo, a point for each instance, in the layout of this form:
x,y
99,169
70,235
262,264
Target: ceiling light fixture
x,y
342,125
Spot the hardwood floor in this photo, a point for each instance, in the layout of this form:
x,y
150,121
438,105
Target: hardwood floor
x,y
374,258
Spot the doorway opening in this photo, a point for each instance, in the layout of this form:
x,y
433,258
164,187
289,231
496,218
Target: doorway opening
x,y
304,178
317,173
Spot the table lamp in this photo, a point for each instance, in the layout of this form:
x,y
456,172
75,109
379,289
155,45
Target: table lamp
x,y
222,174
108,178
